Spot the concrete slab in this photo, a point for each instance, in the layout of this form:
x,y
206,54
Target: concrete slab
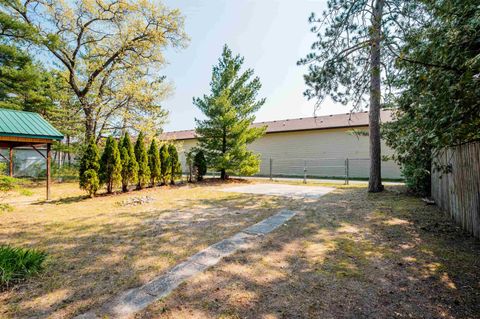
x,y
269,224
133,300
293,191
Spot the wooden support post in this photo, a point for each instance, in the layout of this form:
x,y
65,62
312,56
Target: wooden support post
x,y
10,162
49,156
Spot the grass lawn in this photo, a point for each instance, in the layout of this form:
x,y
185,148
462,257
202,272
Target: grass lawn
x,y
99,247
347,254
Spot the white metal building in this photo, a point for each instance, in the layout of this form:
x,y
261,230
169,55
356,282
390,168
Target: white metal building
x,y
321,145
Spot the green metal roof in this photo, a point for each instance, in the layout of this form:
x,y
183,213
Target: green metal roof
x,y
26,124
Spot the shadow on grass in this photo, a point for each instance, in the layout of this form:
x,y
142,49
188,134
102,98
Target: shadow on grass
x,y
91,261
351,255
348,254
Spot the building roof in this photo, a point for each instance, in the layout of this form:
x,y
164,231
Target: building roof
x,y
26,124
300,124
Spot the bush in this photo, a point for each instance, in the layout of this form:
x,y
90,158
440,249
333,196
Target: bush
x,y
89,163
200,165
164,164
175,166
110,165
91,182
19,263
154,163
142,160
129,163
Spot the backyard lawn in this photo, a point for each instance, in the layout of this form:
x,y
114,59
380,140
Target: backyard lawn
x,y
348,254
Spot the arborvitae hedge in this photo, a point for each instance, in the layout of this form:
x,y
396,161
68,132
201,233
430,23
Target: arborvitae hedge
x,y
88,171
142,159
165,164
154,163
129,163
110,165
175,166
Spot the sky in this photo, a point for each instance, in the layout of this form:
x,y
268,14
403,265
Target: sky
x,y
272,35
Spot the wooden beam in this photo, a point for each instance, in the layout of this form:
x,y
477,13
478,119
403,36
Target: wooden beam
x,y
11,161
25,139
49,156
1,155
38,151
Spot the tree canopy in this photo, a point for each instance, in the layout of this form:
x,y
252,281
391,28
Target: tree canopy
x,y
109,53
439,100
354,54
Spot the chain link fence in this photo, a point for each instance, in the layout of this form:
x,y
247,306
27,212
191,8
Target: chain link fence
x,y
329,168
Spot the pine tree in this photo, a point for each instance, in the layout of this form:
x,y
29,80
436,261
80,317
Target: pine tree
x,y
354,52
110,165
200,165
129,163
24,84
88,171
142,160
175,166
165,164
154,163
230,109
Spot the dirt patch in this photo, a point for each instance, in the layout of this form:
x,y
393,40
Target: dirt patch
x,y
350,255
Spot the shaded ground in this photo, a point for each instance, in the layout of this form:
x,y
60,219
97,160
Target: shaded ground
x,y
98,247
349,255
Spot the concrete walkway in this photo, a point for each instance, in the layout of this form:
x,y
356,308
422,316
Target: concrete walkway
x,y
131,301
293,191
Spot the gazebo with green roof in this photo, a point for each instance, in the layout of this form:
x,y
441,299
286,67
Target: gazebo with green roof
x,y
19,128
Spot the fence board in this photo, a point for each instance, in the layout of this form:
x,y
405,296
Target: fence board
x,y
458,192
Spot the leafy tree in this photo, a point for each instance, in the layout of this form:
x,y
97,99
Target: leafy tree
x,y
129,163
88,170
107,52
230,109
110,165
175,166
440,93
154,163
26,85
165,164
355,52
142,160
200,165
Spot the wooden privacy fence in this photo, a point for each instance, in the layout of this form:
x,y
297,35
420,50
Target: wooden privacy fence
x,y
458,192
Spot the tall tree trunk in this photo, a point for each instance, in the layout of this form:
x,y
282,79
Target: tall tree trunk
x,y
375,179
89,124
69,156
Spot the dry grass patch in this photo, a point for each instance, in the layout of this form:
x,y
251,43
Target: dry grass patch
x,y
101,246
349,255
